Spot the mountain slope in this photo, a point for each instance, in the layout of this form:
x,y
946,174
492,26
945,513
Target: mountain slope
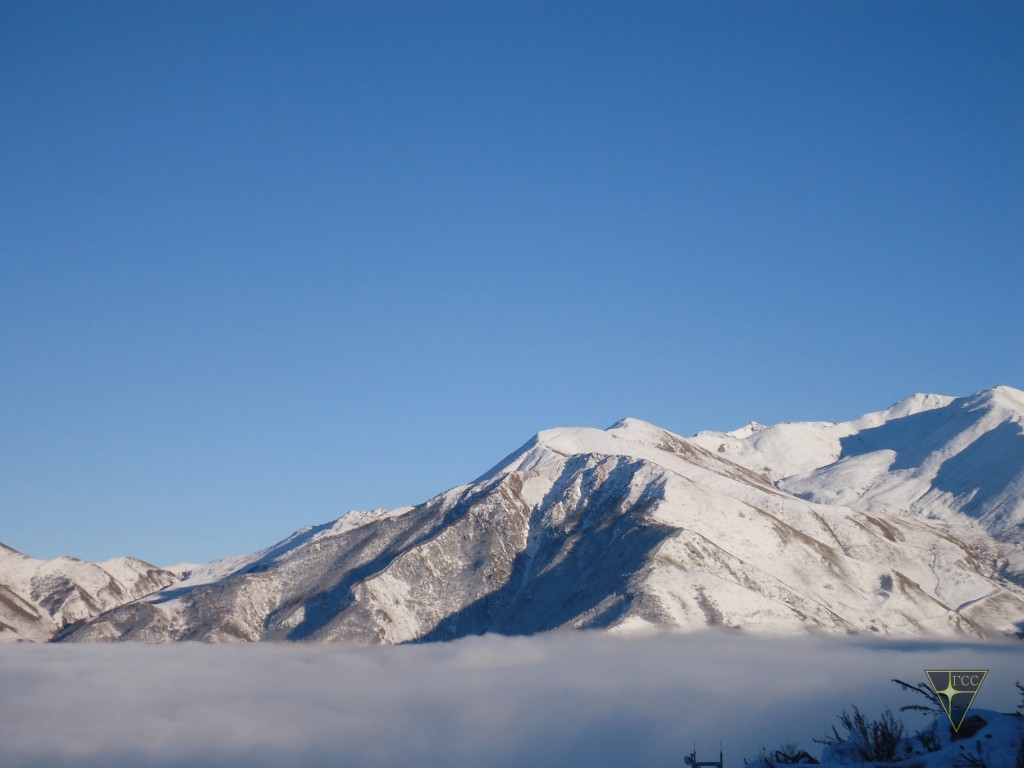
x,y
39,597
930,457
628,527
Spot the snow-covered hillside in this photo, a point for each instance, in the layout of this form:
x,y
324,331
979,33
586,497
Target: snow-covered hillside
x,y
931,457
39,597
900,523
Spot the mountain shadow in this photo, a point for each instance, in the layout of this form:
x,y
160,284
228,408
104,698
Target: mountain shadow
x,y
986,468
913,438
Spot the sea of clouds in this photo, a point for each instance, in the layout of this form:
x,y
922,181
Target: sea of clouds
x,y
563,699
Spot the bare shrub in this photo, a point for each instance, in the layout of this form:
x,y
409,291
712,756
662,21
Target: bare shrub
x,y
866,740
787,754
932,705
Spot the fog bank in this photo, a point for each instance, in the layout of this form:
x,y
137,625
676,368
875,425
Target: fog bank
x,y
560,699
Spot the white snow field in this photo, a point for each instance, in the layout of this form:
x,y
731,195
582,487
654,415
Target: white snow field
x,y
587,699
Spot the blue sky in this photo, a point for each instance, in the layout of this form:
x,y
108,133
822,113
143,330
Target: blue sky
x,y
261,263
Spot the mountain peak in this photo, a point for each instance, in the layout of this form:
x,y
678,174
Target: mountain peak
x,y
631,422
1001,396
570,441
920,401
639,430
747,430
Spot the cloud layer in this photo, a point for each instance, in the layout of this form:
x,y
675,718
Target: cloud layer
x,y
560,699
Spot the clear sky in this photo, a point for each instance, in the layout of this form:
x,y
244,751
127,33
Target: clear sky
x,y
262,263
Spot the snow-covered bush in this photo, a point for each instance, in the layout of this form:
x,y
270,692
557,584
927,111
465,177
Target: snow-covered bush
x,y
788,754
864,740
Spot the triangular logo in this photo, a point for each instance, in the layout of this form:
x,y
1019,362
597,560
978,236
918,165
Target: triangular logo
x,y
956,689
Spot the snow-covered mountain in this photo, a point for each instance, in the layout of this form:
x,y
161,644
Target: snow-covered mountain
x,y
39,597
905,522
931,457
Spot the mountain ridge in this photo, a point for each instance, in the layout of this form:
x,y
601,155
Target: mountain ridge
x,y
633,528
40,597
947,458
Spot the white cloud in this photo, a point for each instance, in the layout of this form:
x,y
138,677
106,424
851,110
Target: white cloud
x,y
561,700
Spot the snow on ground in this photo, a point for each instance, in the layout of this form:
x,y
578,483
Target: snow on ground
x,y
563,699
